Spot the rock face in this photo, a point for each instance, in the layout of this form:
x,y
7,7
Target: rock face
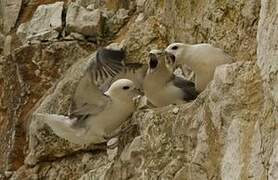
x,y
228,132
25,77
10,11
80,20
268,47
46,23
116,22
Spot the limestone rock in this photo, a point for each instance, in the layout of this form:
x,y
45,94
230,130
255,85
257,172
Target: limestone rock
x,y
10,12
117,4
213,22
143,36
86,3
43,143
116,22
75,36
268,48
46,23
7,46
140,4
80,20
26,76
273,174
70,168
228,132
216,136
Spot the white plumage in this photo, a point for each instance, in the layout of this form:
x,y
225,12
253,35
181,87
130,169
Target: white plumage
x,y
201,58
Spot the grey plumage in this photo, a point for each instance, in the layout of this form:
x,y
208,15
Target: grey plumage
x,y
188,87
109,65
101,102
162,87
202,59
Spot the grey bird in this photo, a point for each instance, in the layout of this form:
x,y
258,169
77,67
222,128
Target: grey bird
x,y
201,58
101,103
162,87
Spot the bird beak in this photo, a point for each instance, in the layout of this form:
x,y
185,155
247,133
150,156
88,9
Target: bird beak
x,y
170,61
137,94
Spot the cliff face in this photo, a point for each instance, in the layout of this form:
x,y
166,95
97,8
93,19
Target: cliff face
x,y
228,132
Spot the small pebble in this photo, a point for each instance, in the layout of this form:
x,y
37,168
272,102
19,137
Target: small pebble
x,y
176,110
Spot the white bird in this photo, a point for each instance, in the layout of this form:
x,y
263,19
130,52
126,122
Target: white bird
x,y
201,58
97,115
162,87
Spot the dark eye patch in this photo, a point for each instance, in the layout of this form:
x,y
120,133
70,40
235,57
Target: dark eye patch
x,y
174,47
126,87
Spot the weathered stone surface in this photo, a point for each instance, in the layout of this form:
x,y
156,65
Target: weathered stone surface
x,y
273,173
118,4
268,48
116,22
80,20
86,3
140,37
72,167
7,49
10,11
215,137
46,23
231,25
43,143
27,74
229,132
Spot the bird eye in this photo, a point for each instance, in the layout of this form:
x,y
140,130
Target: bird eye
x,y
174,48
126,87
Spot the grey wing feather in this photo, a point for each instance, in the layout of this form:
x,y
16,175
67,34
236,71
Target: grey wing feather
x,y
106,65
109,65
188,88
132,71
87,99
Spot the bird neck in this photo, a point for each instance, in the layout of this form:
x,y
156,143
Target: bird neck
x,y
187,57
160,75
125,103
119,99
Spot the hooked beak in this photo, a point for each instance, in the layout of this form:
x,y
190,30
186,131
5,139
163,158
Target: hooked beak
x,y
138,94
170,61
170,57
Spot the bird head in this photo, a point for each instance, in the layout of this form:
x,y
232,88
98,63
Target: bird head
x,y
156,60
123,89
174,53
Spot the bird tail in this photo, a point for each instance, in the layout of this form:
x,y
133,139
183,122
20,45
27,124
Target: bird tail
x,y
61,125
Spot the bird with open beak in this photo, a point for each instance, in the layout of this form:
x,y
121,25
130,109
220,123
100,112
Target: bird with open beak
x,y
162,87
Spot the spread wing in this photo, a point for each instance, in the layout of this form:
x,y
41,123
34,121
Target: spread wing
x,y
88,100
188,88
109,65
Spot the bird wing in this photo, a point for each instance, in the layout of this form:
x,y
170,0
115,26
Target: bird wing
x,y
109,65
88,99
133,71
188,88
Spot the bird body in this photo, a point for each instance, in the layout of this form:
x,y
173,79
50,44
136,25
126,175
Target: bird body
x,y
201,58
162,87
90,126
102,101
